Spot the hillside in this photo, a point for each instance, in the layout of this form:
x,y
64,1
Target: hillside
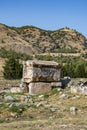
x,y
33,40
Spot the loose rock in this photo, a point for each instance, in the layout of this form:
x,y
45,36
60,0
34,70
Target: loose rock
x,y
73,110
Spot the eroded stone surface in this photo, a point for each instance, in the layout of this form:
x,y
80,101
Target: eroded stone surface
x,y
39,87
39,71
40,76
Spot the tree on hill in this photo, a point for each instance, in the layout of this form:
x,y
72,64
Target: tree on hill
x,y
12,69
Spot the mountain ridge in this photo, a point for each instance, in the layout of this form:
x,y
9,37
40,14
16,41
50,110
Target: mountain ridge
x,y
33,40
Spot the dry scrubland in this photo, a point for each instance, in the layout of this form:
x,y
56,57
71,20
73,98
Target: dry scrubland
x,y
33,40
51,113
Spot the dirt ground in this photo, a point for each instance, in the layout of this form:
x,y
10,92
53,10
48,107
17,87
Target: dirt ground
x,y
41,125
41,118
53,113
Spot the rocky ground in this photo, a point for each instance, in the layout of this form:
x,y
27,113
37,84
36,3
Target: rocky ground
x,y
58,110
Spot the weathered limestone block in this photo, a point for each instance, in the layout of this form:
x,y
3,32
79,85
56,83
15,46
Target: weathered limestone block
x,y
74,89
16,90
41,71
79,90
39,88
56,84
40,76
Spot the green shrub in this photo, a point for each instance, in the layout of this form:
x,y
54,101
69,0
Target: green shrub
x,y
76,69
47,57
65,50
7,54
3,106
54,91
46,95
17,109
12,69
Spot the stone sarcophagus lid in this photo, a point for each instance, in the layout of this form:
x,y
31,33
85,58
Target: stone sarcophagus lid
x,y
40,76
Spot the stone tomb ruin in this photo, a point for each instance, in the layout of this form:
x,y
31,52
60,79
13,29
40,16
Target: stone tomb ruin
x,y
40,76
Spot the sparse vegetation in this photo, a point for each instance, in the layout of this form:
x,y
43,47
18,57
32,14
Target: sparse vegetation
x,y
18,109
8,53
45,113
30,35
54,91
3,106
65,50
44,57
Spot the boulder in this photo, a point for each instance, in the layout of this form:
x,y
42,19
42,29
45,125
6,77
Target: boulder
x,y
64,96
73,110
16,90
9,99
56,84
79,88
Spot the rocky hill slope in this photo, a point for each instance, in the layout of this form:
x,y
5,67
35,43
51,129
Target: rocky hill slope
x,y
33,40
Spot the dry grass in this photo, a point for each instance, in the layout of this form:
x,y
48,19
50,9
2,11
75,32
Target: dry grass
x,y
42,118
2,62
8,83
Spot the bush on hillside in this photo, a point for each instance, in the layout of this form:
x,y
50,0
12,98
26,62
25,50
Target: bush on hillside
x,y
75,70
12,69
